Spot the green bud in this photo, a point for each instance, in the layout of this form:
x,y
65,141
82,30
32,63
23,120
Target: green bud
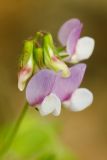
x,y
27,52
58,65
51,60
26,64
49,45
38,57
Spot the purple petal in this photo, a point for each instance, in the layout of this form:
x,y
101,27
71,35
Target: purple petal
x,y
66,29
72,39
40,86
64,87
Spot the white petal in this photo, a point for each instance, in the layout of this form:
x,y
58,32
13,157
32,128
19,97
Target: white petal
x,y
84,49
23,77
51,104
81,99
24,74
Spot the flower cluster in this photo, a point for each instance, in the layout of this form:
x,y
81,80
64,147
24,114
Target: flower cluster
x,y
47,73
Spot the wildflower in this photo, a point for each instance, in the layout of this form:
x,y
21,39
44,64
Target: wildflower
x,y
55,83
77,48
47,90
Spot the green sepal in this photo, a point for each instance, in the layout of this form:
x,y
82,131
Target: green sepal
x,y
63,56
51,60
49,45
38,57
27,52
60,49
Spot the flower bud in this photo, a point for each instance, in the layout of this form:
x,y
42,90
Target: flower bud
x,y
38,57
25,64
51,59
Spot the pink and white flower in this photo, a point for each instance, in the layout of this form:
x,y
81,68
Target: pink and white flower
x,y
77,48
58,84
49,90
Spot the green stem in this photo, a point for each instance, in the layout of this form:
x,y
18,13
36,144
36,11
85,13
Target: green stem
x,y
14,131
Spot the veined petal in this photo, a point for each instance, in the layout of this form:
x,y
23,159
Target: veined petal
x,y
72,39
66,29
40,86
84,49
50,104
80,99
64,87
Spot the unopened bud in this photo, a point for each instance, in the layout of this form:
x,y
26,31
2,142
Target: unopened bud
x,y
26,64
38,57
50,57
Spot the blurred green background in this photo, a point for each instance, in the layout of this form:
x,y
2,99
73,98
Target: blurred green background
x,y
83,133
